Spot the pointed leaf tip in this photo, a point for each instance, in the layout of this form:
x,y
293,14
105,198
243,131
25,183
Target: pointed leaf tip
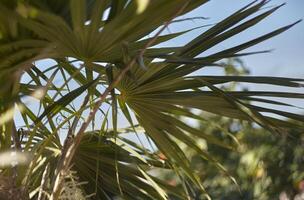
x,y
291,25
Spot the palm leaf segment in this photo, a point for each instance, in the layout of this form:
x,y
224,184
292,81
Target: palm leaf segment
x,y
158,92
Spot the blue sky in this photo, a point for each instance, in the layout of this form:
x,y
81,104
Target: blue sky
x,y
288,55
287,58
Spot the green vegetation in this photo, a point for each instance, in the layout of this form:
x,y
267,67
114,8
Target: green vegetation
x,y
266,166
69,69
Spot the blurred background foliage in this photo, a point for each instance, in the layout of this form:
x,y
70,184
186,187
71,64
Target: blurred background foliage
x,y
264,165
